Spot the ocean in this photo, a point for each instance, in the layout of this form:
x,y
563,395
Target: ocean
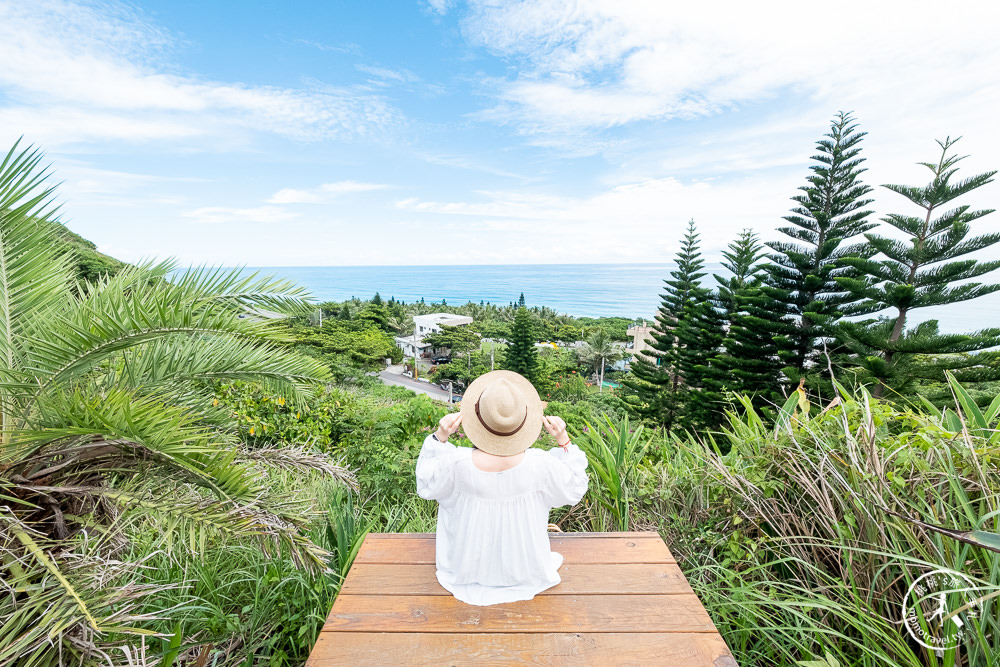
x,y
581,290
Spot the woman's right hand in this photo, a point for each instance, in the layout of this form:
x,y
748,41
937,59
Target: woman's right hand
x,y
448,425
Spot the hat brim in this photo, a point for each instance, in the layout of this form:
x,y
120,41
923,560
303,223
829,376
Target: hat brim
x,y
495,444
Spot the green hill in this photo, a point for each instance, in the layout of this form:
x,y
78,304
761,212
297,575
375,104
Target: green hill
x,y
90,264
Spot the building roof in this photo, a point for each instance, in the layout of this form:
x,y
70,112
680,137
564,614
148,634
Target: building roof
x,y
444,318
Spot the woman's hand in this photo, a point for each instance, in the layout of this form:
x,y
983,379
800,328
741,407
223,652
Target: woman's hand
x,y
557,427
448,425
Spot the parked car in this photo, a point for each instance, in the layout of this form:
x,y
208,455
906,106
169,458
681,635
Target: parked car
x,y
441,360
456,398
408,374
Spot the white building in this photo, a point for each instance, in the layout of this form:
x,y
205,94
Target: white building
x,y
641,338
411,346
428,324
424,325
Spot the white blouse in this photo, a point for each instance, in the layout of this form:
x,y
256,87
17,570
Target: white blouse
x,y
492,539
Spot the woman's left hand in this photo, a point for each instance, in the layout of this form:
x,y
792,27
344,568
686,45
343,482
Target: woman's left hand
x,y
556,426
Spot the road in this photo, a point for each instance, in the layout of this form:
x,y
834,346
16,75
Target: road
x,y
389,377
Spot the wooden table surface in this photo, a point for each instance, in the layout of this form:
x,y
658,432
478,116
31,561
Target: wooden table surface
x,y
622,601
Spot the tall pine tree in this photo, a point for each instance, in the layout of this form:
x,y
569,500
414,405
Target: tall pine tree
x,y
742,259
685,337
922,271
522,355
830,210
699,337
750,361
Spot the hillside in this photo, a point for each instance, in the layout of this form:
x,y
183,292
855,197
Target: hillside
x,y
89,263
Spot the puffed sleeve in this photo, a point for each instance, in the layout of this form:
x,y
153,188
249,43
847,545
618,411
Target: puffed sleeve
x,y
436,469
567,476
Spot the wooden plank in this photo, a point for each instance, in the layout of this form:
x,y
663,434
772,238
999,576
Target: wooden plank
x,y
577,579
420,550
364,648
552,613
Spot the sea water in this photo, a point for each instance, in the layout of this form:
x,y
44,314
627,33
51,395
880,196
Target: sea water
x,y
582,290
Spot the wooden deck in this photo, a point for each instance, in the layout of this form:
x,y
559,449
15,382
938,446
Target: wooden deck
x,y
622,601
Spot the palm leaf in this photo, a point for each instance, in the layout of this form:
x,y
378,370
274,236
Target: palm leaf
x,y
237,290
34,277
979,538
23,535
136,430
104,387
200,520
301,459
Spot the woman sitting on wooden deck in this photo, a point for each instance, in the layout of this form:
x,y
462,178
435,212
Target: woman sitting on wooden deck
x,y
494,499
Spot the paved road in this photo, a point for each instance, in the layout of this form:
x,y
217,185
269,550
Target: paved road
x,y
431,390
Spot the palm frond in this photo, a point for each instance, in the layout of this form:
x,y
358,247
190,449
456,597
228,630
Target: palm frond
x,y
22,533
105,389
106,322
127,430
34,277
200,520
176,363
302,459
236,290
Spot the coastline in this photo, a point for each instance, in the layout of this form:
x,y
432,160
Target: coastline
x,y
580,290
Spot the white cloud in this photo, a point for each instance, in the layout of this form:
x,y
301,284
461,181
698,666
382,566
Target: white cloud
x,y
75,72
635,222
213,215
323,193
440,6
333,48
292,196
598,64
401,75
341,187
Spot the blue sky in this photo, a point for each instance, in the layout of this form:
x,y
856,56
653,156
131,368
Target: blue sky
x,y
440,132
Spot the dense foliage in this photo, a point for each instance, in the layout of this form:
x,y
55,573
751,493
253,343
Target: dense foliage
x,y
187,479
109,426
792,321
87,262
803,540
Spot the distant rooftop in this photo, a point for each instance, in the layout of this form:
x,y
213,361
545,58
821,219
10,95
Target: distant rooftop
x,y
443,317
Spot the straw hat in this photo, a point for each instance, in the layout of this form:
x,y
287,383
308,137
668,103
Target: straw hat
x,y
502,413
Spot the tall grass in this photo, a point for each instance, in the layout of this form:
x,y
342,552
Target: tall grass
x,y
812,548
614,451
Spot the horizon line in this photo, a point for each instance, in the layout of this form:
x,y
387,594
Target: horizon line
x,y
416,266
